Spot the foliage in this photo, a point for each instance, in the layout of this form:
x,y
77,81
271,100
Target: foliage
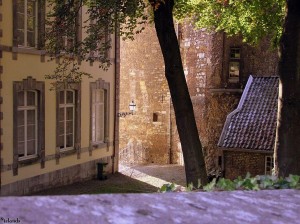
x,y
259,182
65,42
168,188
253,20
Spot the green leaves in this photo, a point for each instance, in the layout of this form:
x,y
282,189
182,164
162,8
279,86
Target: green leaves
x,y
259,182
253,20
167,188
82,30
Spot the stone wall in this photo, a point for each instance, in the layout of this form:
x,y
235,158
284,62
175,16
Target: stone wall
x,y
206,64
205,57
238,163
247,207
144,136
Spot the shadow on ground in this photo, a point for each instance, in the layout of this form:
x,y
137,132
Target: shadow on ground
x,y
116,183
131,179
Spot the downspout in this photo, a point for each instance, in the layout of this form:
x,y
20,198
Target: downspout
x,y
1,99
223,61
170,129
115,156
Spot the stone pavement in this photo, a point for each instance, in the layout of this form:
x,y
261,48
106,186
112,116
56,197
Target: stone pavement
x,y
130,179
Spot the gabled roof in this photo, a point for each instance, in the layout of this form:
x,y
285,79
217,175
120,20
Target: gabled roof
x,y
253,124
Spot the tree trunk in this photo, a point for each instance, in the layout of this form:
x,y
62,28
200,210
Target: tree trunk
x,y
287,150
191,146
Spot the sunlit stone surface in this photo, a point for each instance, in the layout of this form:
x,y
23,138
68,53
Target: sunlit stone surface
x,y
277,206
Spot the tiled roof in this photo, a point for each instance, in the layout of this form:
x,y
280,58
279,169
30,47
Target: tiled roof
x,y
253,124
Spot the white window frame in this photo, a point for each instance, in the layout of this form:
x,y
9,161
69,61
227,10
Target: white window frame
x,y
104,86
96,116
26,27
66,105
269,164
26,108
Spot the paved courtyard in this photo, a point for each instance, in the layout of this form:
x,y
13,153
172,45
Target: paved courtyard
x,y
130,179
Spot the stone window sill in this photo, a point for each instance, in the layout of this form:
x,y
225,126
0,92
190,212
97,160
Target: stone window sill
x,y
24,50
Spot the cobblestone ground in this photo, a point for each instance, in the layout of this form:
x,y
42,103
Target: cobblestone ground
x,y
130,179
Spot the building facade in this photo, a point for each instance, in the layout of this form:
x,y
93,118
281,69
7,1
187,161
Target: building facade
x,y
216,68
248,137
57,137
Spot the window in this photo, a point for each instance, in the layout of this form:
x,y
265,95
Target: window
x,y
27,124
155,117
68,116
99,111
269,164
67,27
98,115
66,119
28,115
234,64
29,16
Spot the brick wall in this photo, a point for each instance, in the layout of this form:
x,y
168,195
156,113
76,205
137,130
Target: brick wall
x,y
239,163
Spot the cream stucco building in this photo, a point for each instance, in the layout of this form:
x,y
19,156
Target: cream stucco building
x,y
49,138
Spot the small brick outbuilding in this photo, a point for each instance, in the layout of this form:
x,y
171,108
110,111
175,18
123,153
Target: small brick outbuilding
x,y
248,135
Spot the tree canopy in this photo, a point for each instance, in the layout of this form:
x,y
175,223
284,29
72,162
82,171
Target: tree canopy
x,y
251,19
64,39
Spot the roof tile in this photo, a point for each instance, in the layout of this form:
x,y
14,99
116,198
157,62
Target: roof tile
x,y
253,124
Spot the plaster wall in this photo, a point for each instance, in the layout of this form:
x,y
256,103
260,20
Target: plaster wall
x,y
35,64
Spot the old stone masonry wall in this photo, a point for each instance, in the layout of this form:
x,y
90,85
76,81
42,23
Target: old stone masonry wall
x,y
145,135
151,133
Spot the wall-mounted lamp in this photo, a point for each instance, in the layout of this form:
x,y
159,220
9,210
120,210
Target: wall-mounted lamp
x,y
132,107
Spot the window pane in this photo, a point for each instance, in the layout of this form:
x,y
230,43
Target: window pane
x,y
61,128
100,135
70,113
30,39
69,127
61,141
100,122
31,98
21,134
69,142
20,117
93,96
234,69
70,97
31,132
21,38
20,6
31,147
61,114
21,98
30,23
21,149
31,117
99,95
31,8
62,97
20,21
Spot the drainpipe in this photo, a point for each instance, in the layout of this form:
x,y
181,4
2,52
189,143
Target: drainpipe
x,y
170,129
1,71
223,60
115,156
